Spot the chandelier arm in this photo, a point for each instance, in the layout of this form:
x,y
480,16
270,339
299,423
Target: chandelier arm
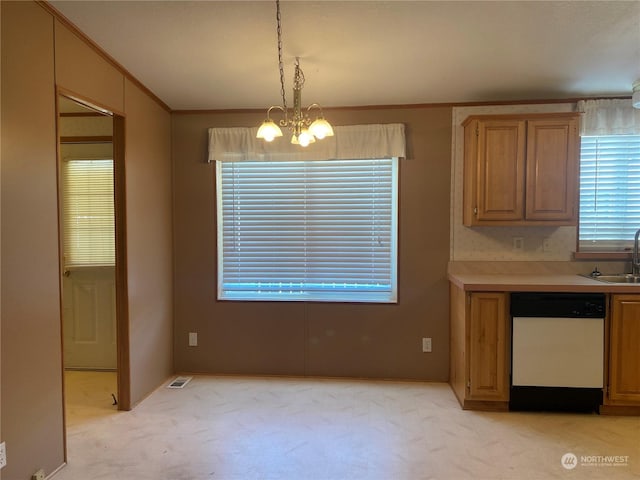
x,y
271,108
315,105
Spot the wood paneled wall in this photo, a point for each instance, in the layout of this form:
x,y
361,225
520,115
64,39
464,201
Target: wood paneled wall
x,y
325,339
31,344
39,54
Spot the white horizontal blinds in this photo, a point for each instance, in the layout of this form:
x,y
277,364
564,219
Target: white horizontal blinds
x,y
308,230
89,228
609,191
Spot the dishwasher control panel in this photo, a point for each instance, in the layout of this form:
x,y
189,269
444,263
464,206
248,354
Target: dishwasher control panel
x,y
566,305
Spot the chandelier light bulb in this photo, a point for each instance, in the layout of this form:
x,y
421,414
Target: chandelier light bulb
x,y
320,128
269,130
305,138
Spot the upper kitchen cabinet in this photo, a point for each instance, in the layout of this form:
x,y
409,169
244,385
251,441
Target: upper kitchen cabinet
x,y
521,169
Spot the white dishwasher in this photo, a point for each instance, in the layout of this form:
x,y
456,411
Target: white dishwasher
x,y
557,351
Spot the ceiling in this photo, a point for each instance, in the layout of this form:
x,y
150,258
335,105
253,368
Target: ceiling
x,y
223,55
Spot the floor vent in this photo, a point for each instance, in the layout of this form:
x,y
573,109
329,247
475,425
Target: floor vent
x,y
179,382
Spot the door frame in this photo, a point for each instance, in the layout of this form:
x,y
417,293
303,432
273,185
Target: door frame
x,y
123,367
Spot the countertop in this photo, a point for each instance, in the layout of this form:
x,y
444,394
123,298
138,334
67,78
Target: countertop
x,y
545,282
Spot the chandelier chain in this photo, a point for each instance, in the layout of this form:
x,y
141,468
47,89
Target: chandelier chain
x,y
280,65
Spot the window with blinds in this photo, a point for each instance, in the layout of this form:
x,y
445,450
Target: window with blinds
x,y
308,230
88,217
609,192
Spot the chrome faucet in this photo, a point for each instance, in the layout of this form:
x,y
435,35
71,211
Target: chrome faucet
x,y
635,261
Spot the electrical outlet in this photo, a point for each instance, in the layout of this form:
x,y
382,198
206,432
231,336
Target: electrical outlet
x,y
426,345
518,244
193,339
546,245
39,475
3,455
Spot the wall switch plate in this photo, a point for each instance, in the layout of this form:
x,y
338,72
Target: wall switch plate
x,y
426,345
193,339
3,455
546,244
39,475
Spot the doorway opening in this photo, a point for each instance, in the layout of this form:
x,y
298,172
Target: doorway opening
x,y
93,275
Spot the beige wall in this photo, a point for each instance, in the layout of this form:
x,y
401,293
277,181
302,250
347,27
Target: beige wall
x,y
82,71
0,244
149,241
38,53
328,339
31,354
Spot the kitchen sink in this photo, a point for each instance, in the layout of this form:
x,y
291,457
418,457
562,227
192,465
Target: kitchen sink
x,y
618,278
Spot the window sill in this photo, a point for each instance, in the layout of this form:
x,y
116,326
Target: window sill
x,y
602,256
337,297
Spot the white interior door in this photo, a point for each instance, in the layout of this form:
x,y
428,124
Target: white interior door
x,y
90,318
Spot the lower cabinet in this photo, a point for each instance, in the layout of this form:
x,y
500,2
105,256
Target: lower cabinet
x,y
479,349
623,382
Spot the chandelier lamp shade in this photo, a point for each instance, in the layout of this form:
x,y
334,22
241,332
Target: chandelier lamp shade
x,y
304,131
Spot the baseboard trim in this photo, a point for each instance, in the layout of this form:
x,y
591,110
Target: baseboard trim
x,y
620,410
485,406
52,474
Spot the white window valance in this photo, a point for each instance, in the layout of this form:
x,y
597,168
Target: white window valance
x,y
351,142
609,117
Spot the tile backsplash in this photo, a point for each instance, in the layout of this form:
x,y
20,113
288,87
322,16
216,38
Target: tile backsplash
x,y
497,243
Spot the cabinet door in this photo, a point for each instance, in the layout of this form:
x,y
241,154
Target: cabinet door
x,y
501,170
488,331
624,351
552,169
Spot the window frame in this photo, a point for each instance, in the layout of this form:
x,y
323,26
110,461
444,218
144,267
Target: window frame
x,y
390,297
612,248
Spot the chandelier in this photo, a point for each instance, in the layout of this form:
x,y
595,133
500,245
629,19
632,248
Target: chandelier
x,y
304,130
